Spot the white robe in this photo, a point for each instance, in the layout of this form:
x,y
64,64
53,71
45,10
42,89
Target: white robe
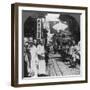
x,y
34,60
42,64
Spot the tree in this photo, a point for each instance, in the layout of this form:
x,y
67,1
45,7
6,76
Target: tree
x,y
73,26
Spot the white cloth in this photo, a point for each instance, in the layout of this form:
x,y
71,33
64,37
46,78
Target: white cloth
x,y
42,64
34,60
42,67
60,26
40,50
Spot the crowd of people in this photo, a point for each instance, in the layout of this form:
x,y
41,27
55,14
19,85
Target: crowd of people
x,y
65,41
74,54
69,51
34,57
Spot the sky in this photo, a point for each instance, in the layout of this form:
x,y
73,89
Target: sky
x,y
52,17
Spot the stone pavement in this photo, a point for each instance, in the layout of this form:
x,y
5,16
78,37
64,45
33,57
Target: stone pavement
x,y
56,67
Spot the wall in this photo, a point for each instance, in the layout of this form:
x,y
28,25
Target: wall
x,y
5,45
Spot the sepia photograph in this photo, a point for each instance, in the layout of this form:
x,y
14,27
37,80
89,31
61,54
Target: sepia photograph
x,y
52,44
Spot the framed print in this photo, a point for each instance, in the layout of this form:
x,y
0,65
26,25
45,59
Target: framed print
x,y
48,44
